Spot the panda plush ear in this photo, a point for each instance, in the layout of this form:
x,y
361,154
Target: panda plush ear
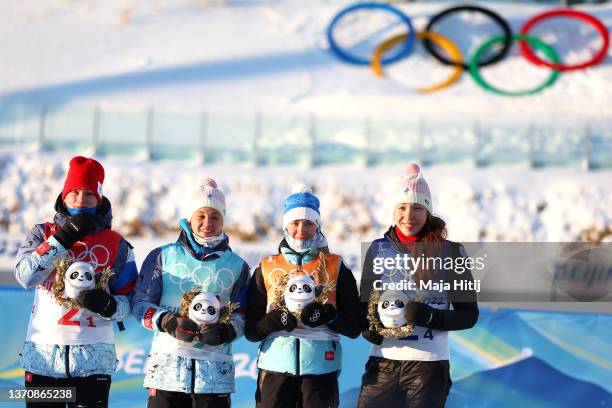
x,y
218,298
319,289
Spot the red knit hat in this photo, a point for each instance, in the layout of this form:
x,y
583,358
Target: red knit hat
x,y
84,174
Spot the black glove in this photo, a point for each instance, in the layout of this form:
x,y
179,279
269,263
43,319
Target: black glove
x,y
215,334
75,228
98,301
419,313
372,337
276,320
181,328
315,314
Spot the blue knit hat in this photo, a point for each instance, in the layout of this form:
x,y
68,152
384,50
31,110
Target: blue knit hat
x,y
301,205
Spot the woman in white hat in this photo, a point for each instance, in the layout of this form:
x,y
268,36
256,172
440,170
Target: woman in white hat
x,y
412,369
191,363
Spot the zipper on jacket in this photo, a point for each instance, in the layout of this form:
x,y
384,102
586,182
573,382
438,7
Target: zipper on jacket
x,y
192,376
67,361
297,354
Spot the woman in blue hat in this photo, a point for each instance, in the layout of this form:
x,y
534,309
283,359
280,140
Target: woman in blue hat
x,y
300,301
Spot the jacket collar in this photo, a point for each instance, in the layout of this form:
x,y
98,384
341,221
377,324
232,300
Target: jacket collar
x,y
196,250
103,216
297,258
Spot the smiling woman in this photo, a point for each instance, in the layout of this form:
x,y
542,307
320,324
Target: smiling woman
x,y
408,322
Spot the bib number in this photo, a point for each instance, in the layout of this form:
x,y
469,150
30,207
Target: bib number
x,y
66,319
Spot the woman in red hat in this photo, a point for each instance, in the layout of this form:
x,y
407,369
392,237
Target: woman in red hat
x,y
71,344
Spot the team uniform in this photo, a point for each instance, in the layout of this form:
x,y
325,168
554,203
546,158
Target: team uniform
x,y
299,363
181,373
413,371
73,346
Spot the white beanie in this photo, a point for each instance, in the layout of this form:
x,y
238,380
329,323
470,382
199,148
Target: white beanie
x,y
209,196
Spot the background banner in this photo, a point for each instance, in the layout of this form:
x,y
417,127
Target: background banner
x,y
512,358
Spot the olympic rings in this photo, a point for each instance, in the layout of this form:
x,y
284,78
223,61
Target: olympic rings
x,y
404,50
573,14
432,41
447,45
85,254
475,9
534,42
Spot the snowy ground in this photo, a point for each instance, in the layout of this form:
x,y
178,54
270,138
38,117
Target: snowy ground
x,y
502,204
179,54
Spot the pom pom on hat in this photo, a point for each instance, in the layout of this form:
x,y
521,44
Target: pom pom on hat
x,y
412,188
412,168
209,182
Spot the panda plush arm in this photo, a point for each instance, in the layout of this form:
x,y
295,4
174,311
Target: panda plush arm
x,y
348,318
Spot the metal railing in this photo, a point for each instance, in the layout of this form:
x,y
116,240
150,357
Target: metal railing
x,y
306,140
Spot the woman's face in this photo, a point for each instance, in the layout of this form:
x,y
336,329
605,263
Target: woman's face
x,y
80,199
302,229
206,222
409,218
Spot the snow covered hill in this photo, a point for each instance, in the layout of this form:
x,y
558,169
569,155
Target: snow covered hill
x,y
275,58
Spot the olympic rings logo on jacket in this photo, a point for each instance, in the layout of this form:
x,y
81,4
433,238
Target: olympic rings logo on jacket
x,y
434,43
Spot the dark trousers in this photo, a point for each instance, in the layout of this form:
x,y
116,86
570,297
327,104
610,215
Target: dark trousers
x,y
276,390
171,399
411,384
91,391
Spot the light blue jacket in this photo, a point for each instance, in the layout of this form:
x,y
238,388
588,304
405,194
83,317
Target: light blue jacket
x,y
161,279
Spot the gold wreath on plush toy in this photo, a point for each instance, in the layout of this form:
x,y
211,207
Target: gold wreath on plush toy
x,y
72,277
387,313
295,290
205,307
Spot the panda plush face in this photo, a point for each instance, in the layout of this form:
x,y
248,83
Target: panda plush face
x,y
299,292
79,276
392,307
205,308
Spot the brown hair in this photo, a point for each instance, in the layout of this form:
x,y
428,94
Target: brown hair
x,y
434,229
432,234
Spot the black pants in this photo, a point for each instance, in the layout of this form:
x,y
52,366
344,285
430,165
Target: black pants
x,y
411,384
276,390
171,399
91,391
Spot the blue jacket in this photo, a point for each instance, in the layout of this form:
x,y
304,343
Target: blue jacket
x,y
56,360
166,273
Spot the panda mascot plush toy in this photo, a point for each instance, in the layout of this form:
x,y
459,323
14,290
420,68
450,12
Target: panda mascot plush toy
x,y
205,308
73,277
392,309
299,292
79,276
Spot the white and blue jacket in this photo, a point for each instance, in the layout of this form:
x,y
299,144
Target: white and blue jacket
x,y
167,273
34,267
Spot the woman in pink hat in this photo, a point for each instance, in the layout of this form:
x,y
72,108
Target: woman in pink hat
x,y
410,368
73,346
